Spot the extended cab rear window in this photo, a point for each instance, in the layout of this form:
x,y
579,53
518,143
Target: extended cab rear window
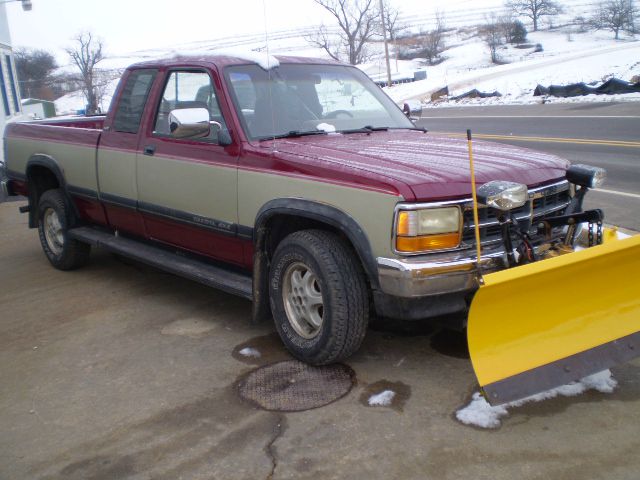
x,y
132,101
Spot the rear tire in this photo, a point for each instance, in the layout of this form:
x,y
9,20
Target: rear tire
x,y
54,216
318,297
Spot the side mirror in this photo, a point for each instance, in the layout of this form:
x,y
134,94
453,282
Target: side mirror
x,y
413,109
189,123
224,137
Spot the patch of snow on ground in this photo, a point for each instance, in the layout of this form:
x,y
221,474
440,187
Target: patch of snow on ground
x,y
480,414
250,352
70,103
382,399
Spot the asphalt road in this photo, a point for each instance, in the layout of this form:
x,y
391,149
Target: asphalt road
x,y
119,371
602,134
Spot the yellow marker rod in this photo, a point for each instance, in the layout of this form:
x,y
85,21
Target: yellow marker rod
x,y
476,220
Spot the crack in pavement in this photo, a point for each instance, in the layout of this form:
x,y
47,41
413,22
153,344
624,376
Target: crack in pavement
x,y
269,449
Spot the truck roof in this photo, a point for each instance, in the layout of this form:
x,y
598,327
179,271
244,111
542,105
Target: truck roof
x,y
228,59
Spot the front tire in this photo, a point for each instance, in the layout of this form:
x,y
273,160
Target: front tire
x,y
62,252
318,297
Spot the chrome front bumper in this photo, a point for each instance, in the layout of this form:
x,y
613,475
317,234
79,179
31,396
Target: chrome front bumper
x,y
436,275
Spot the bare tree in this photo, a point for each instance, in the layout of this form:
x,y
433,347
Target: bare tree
x,y
493,32
104,80
391,21
534,9
325,40
617,16
358,22
434,43
393,25
86,53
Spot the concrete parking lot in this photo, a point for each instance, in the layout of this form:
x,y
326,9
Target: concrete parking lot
x,y
120,371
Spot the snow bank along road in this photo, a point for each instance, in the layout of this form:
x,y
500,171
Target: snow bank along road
x,y
602,134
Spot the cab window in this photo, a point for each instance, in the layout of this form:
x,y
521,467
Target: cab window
x,y
132,101
188,90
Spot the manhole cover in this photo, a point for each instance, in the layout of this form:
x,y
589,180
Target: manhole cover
x,y
293,386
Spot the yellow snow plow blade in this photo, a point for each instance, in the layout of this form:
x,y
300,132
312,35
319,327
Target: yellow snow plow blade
x,y
545,324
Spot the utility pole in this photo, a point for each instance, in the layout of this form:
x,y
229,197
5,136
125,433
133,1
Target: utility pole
x,y
386,45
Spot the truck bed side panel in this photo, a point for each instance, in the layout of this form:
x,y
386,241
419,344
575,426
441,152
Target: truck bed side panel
x,y
73,150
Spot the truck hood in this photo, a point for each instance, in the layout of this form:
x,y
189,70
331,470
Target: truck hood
x,y
433,167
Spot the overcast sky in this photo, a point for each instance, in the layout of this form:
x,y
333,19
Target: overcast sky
x,y
130,25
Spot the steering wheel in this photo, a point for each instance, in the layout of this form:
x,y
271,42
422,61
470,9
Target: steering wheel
x,y
337,113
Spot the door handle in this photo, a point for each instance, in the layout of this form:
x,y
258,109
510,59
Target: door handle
x,y
149,150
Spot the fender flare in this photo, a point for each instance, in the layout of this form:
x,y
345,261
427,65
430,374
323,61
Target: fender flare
x,y
48,162
313,210
324,213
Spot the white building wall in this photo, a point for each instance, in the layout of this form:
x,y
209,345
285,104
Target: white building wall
x,y
5,33
13,113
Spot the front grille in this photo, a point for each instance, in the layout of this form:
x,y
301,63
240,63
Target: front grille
x,y
544,202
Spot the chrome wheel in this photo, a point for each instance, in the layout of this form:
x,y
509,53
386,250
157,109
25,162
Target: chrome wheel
x,y
303,301
53,232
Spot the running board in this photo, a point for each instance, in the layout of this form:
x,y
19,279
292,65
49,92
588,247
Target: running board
x,y
201,272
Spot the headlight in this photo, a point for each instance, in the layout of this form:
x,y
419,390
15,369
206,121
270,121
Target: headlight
x,y
586,175
503,195
428,229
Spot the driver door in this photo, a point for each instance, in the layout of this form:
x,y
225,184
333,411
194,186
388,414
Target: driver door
x,y
187,187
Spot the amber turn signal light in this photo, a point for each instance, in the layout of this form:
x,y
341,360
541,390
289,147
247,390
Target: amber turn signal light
x,y
427,242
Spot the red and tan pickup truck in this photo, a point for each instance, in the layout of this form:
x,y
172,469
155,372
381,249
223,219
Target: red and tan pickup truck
x,y
297,184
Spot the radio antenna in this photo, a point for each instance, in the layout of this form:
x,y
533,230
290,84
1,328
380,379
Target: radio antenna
x,y
268,62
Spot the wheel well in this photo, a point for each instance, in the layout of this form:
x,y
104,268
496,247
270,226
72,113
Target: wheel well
x,y
40,180
280,226
267,237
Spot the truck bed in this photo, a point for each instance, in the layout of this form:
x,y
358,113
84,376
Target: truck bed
x,y
93,122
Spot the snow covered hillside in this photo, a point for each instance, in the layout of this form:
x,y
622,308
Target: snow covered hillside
x,y
579,57
567,56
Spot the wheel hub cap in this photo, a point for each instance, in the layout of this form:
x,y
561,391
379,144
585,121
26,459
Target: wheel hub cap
x,y
303,300
53,231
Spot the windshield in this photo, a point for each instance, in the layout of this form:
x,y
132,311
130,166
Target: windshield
x,y
303,98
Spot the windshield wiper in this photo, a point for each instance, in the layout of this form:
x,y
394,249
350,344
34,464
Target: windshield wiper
x,y
294,134
417,129
365,129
